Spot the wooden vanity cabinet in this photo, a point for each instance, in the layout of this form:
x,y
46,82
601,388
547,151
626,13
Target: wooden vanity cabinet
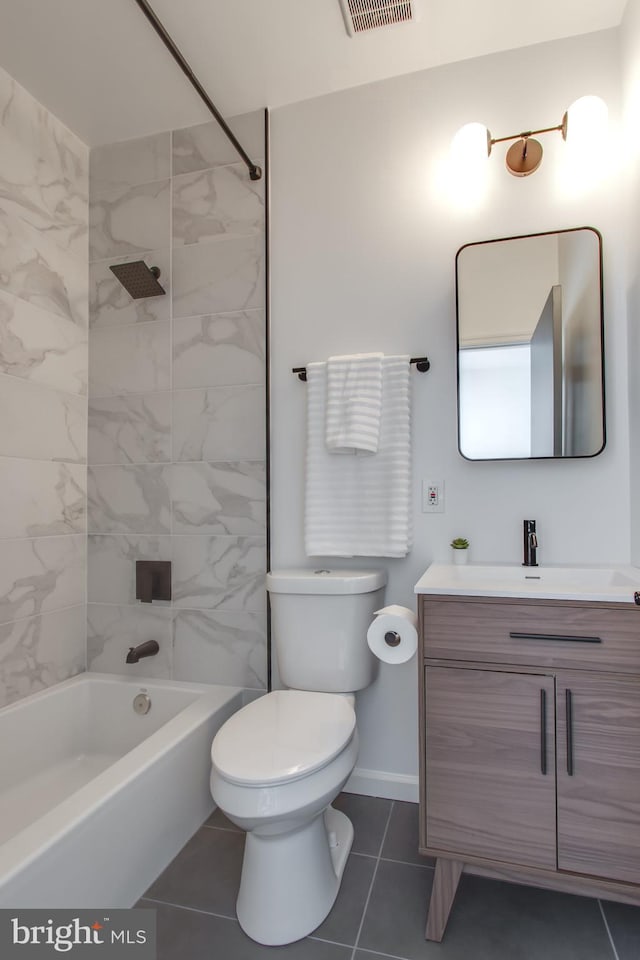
x,y
530,771
491,788
598,751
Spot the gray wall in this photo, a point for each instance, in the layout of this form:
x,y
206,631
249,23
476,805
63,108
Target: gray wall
x,y
177,405
43,380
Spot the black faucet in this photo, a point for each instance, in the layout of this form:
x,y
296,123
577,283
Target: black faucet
x,y
147,649
530,544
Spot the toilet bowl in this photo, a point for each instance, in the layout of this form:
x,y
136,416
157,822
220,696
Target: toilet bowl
x,y
277,765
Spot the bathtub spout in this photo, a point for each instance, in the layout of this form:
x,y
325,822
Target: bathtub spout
x,y
147,649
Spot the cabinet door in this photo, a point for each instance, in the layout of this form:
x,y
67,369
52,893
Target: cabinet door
x,y
599,775
490,765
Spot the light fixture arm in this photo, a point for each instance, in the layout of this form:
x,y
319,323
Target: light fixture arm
x,y
587,118
561,128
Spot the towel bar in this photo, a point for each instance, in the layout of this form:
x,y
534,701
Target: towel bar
x,y
422,365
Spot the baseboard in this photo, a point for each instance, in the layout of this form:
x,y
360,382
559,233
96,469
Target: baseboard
x,y
378,783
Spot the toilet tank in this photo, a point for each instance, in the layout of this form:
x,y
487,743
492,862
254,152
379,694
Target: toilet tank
x,y
319,622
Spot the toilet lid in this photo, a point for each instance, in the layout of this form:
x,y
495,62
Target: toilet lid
x,y
282,736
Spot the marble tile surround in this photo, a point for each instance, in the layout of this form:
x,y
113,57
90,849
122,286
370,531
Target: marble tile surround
x,y
41,195
130,163
209,644
133,429
127,220
220,276
44,171
41,575
42,499
43,137
209,203
177,406
205,145
219,423
218,350
112,564
43,405
42,347
219,498
131,359
41,424
111,630
128,499
34,269
37,652
225,573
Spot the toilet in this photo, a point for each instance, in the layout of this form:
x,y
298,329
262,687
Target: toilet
x,y
278,763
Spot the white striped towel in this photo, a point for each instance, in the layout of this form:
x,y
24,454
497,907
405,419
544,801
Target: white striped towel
x,y
360,506
354,403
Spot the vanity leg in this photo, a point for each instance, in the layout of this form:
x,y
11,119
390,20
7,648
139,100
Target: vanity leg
x,y
445,884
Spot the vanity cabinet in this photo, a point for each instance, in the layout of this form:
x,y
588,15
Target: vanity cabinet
x,y
598,750
488,738
530,746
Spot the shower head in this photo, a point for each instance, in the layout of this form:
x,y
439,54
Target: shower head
x,y
138,279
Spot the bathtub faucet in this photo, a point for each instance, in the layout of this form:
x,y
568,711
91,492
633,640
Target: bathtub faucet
x,y
147,649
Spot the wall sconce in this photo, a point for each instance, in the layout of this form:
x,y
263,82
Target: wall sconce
x,y
583,123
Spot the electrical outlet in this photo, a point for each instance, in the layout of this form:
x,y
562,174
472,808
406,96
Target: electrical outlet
x,y
433,496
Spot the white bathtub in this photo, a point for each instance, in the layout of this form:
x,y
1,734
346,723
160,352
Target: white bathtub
x,y
95,799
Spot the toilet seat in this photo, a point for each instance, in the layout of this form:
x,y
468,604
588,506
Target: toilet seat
x,y
281,737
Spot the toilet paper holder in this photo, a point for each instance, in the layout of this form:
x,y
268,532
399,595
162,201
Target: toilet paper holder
x,y
393,636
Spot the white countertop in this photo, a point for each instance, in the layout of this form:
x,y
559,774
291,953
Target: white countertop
x,y
605,584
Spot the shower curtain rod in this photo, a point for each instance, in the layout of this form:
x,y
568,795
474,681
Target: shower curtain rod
x,y
255,173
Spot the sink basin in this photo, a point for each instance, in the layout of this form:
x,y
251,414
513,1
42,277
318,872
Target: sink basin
x,y
605,584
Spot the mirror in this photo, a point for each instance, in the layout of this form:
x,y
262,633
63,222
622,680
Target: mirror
x,y
530,346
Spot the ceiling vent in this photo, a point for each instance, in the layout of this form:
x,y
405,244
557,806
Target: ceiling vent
x,y
360,16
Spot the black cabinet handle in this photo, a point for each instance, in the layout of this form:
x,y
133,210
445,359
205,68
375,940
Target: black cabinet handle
x,y
568,701
543,732
558,638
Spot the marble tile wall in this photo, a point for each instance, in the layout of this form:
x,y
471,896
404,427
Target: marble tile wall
x,y
43,396
177,405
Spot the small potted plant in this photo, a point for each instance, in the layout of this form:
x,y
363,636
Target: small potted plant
x,y
460,548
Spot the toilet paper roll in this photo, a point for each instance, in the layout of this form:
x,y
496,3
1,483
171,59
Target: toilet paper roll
x,y
393,635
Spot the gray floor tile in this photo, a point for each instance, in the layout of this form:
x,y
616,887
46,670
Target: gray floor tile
x,y
624,924
218,819
369,818
401,841
371,955
396,914
205,874
490,920
187,935
343,922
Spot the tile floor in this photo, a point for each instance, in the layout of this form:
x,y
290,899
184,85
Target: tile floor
x,y
381,907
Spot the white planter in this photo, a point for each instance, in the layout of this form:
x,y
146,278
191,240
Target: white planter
x,y
460,557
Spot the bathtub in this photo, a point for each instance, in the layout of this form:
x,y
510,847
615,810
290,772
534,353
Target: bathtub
x,y
96,799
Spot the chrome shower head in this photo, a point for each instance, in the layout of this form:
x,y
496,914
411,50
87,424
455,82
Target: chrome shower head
x,y
138,279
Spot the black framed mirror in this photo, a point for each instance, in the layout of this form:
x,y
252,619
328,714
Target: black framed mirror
x,y
530,346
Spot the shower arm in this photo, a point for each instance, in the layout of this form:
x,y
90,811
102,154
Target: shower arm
x,y
255,173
